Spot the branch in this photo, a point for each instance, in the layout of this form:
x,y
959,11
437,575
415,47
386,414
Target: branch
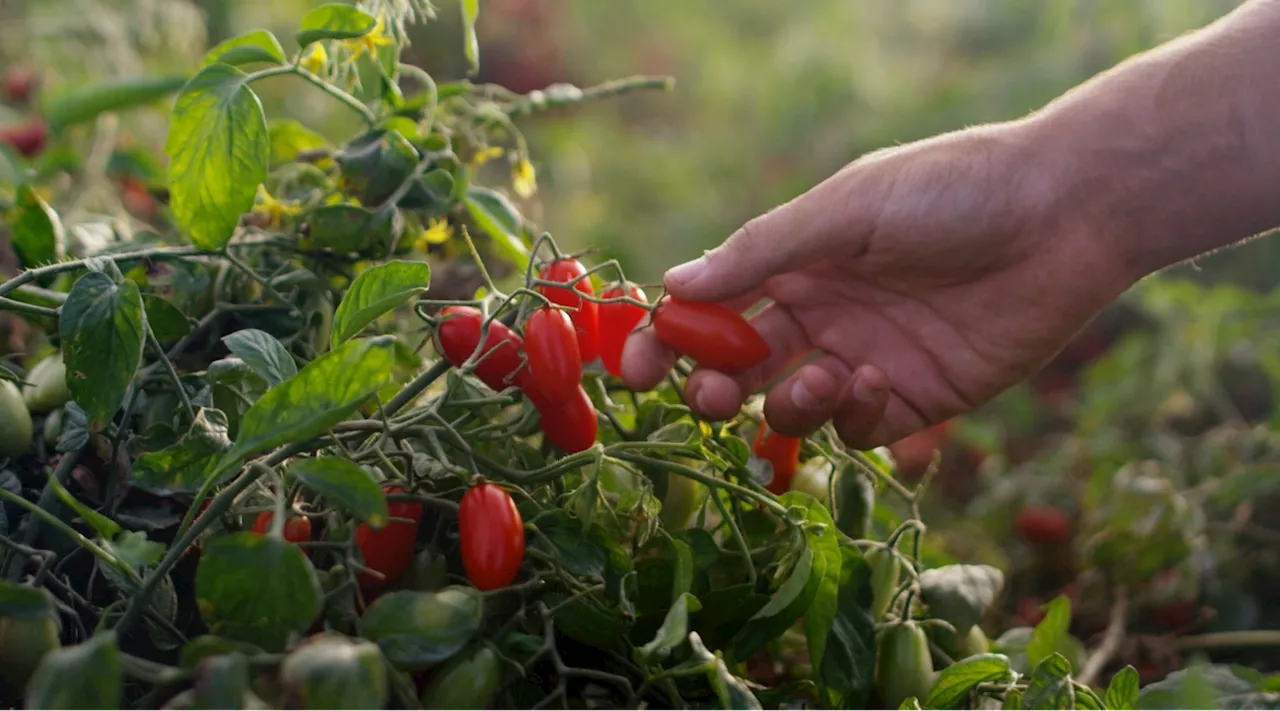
x,y
1111,639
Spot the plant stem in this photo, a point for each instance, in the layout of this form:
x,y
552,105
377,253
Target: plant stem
x,y
173,374
1111,639
351,102
541,100
25,309
1239,638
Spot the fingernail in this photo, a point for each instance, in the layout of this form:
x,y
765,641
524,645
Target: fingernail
x,y
864,393
700,402
802,398
687,272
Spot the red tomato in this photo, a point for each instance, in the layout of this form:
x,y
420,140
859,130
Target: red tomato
x,y
555,365
712,335
27,140
1042,525
782,452
389,550
459,334
1030,612
570,426
586,317
296,530
19,83
491,534
617,321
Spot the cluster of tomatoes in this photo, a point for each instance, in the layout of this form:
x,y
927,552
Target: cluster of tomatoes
x,y
19,86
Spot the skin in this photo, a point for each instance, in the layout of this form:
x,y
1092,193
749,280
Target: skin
x,y
920,281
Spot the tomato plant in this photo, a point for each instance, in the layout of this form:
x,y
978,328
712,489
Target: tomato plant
x,y
555,366
584,314
904,668
458,339
388,550
492,537
617,321
570,425
711,334
297,529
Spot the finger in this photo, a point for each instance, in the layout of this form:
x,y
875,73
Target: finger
x,y
862,418
781,240
645,360
803,402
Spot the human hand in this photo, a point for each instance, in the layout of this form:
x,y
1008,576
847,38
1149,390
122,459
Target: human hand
x,y
926,279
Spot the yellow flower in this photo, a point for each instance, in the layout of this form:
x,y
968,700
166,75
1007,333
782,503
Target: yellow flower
x,y
437,232
275,210
315,59
524,179
370,43
340,199
486,155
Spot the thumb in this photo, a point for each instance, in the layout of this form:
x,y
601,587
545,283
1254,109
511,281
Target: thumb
x,y
786,238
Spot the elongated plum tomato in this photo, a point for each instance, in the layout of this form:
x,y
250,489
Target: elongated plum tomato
x,y
491,534
459,334
296,530
389,550
713,335
555,366
571,425
782,452
585,317
617,321
1043,525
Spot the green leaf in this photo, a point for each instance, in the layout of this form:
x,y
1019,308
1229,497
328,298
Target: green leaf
x,y
332,671
848,667
290,138
954,683
320,396
470,45
674,629
961,594
345,484
86,104
185,465
419,629
730,690
35,230
262,352
348,228
248,48
828,565
218,152
374,293
1087,698
134,550
223,682
101,525
75,432
167,322
206,646
1122,692
1049,686
334,21
1049,634
86,676
102,329
497,217
257,589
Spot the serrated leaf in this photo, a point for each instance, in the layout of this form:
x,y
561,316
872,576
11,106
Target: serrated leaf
x,y
470,45
102,329
257,589
954,683
185,465
1049,634
374,293
1122,692
88,103
334,21
248,48
419,629
35,229
1049,685
87,676
346,484
674,629
961,594
320,396
218,152
262,352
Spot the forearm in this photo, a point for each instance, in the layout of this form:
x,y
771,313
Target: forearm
x,y
1175,152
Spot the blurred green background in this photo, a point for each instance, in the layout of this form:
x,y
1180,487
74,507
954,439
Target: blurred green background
x,y
770,97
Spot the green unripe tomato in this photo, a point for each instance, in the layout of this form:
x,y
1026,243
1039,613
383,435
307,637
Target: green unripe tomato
x,y
332,671
885,571
904,667
683,497
24,641
855,502
468,681
973,642
46,387
52,428
16,428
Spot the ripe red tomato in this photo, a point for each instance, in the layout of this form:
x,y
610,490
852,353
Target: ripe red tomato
x,y
555,365
570,426
459,334
19,84
586,321
712,335
617,321
389,550
491,534
296,530
1042,525
28,139
782,452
